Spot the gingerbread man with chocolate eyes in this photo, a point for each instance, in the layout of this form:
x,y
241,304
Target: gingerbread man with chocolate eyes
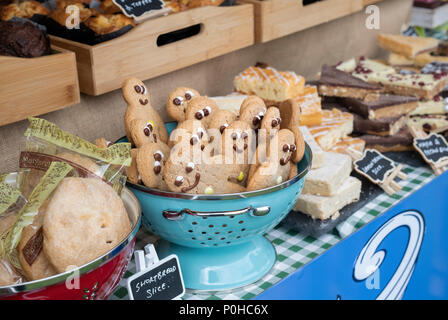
x,y
151,159
277,166
177,103
253,114
190,130
139,108
202,109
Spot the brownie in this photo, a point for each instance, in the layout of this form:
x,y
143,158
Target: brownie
x,y
23,39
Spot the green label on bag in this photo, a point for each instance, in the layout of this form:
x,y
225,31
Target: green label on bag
x,y
8,196
119,153
54,175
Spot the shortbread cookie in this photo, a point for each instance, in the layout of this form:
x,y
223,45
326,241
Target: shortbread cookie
x,y
326,180
269,84
139,107
77,232
316,150
253,114
407,45
151,159
33,260
277,167
320,207
178,99
336,83
143,132
221,119
201,109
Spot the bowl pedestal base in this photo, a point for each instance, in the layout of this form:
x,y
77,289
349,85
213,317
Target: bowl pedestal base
x,y
222,268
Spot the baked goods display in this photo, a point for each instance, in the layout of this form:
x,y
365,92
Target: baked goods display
x,y
212,150
63,209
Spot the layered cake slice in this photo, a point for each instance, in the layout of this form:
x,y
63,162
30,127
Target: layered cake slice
x,y
335,125
310,106
337,83
269,84
385,107
406,45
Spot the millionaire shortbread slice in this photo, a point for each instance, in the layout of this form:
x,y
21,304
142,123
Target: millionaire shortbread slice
x,y
269,84
382,127
337,83
335,125
319,207
326,180
310,106
385,107
349,144
402,141
318,153
406,45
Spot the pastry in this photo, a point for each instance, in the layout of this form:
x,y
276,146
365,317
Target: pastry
x,y
402,141
76,232
107,23
326,180
269,84
321,207
385,107
25,9
318,153
178,99
335,125
23,39
109,7
309,103
382,127
336,83
406,45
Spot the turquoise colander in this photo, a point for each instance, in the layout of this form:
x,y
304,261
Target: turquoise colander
x,y
219,238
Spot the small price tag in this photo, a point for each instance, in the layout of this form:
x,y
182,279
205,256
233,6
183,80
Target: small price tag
x,y
138,8
433,148
155,280
379,169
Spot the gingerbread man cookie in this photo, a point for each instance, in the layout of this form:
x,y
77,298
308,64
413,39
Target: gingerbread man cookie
x,y
299,151
177,103
191,130
276,169
250,100
151,160
221,119
202,109
290,113
132,171
139,107
143,132
253,114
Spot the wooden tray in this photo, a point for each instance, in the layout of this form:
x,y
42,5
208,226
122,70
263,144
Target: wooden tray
x,y
278,18
34,86
103,67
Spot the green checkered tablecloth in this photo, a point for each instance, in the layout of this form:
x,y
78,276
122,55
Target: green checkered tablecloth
x,y
294,249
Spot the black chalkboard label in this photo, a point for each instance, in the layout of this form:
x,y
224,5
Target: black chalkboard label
x,y
162,281
374,166
137,8
433,148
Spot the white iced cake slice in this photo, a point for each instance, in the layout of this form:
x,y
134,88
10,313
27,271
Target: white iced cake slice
x,y
318,153
319,207
326,180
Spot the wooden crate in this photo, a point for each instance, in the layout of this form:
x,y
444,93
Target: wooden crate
x,y
103,67
278,18
34,86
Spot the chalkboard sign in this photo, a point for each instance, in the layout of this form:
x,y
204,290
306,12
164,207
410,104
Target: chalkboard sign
x,y
137,8
374,166
433,148
162,281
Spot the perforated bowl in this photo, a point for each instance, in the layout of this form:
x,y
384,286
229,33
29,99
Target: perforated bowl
x,y
219,238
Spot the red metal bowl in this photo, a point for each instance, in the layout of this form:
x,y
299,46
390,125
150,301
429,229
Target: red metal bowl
x,y
97,279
